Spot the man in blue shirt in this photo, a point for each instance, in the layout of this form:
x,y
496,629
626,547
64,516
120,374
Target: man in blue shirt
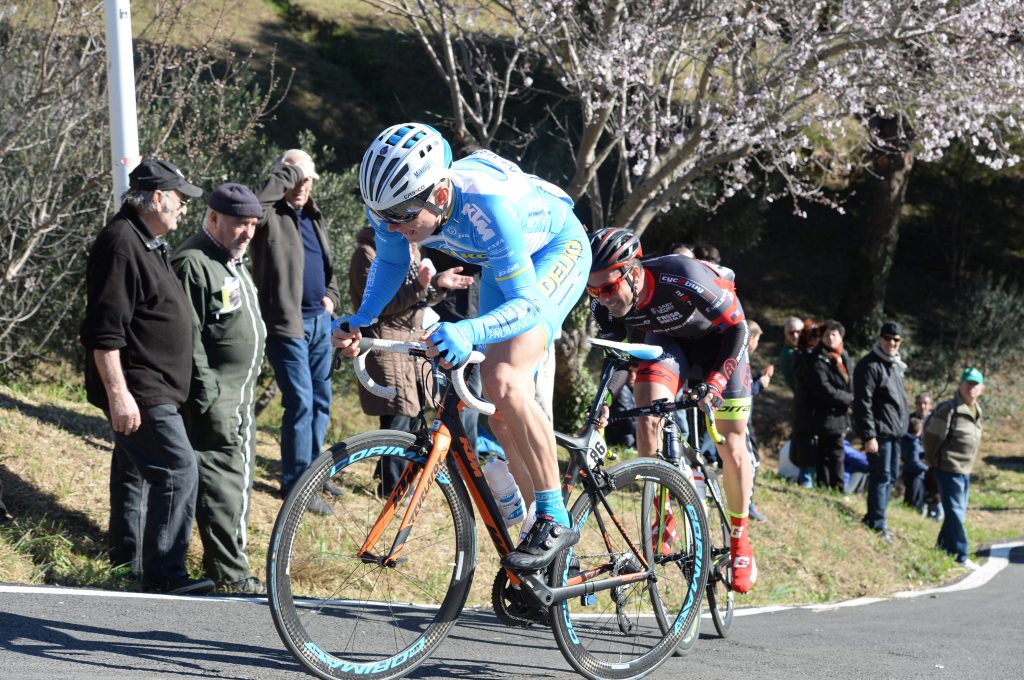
x,y
294,274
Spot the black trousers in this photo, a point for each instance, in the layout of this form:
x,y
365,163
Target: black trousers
x,y
153,482
830,455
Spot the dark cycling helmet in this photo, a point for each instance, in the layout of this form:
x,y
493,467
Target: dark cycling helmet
x,y
614,247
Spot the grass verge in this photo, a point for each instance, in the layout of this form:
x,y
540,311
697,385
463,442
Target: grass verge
x,y
812,549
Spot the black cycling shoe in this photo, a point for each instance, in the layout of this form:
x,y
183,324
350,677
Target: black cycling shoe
x,y
546,539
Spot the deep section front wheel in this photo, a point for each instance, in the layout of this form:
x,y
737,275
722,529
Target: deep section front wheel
x,y
344,612
628,630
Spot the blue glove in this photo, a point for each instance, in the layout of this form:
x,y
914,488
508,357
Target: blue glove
x,y
451,342
355,321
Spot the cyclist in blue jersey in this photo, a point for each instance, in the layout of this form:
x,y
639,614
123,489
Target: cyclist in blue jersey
x,y
483,209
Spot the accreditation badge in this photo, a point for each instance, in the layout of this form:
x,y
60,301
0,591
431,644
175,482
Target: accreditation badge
x,y
231,294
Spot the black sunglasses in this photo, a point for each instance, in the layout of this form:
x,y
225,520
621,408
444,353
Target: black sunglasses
x,y
406,211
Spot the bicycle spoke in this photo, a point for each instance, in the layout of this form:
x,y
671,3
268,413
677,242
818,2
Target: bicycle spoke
x,y
343,616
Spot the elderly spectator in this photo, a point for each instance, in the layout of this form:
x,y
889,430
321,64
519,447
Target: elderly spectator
x,y
790,340
951,442
228,338
881,417
138,341
294,274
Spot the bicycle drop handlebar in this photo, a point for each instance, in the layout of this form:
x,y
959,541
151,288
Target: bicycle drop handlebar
x,y
662,407
417,349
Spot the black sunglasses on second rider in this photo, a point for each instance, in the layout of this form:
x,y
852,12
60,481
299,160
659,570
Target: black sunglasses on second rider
x,y
406,211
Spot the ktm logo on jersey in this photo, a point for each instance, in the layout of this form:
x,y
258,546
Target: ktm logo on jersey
x,y
480,221
562,267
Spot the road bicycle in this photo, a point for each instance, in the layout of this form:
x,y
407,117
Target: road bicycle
x,y
374,589
677,451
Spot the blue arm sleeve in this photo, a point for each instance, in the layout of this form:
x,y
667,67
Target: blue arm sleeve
x,y
387,271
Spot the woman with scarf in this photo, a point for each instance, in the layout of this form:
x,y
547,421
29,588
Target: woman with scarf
x,y
830,394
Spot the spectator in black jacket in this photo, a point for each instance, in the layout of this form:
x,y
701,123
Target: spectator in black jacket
x,y
137,334
829,394
881,417
801,448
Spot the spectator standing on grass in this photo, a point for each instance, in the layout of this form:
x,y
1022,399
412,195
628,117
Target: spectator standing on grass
x,y
951,442
914,469
138,339
298,292
801,448
790,341
923,405
228,339
881,416
829,394
402,320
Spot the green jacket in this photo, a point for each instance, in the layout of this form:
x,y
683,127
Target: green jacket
x,y
952,436
228,335
278,257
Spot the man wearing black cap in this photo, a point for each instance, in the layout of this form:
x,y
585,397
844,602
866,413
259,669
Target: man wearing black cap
x,y
881,416
138,361
228,338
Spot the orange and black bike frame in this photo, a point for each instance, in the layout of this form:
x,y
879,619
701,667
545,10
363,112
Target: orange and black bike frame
x,y
448,442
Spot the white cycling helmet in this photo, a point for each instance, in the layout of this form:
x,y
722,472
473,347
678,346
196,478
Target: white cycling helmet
x,y
401,168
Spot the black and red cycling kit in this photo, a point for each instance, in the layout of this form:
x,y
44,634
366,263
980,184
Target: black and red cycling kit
x,y
690,310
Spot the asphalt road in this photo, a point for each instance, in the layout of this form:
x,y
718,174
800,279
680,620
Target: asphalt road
x,y
973,629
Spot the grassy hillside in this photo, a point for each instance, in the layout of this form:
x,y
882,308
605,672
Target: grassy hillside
x,y
55,465
353,74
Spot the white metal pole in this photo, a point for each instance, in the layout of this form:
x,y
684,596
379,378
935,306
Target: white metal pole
x,y
124,124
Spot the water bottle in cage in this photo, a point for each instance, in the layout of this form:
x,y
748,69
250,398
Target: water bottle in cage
x,y
505,490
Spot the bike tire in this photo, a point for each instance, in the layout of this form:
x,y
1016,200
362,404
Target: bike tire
x,y
720,596
692,633
629,631
345,617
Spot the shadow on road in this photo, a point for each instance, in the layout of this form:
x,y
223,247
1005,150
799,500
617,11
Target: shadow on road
x,y
42,638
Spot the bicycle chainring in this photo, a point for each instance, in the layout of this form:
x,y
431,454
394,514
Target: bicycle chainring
x,y
513,607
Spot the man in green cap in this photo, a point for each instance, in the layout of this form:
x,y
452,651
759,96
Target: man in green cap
x,y
951,440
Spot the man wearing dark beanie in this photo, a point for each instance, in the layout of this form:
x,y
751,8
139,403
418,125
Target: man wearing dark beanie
x,y
228,338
